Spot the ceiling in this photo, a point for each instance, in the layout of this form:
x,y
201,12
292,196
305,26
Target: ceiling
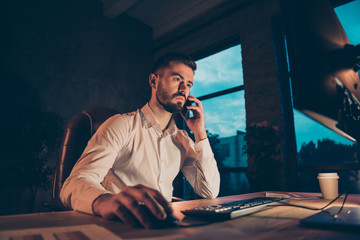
x,y
165,15
161,15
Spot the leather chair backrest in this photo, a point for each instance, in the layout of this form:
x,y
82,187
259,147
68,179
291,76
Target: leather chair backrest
x,y
77,133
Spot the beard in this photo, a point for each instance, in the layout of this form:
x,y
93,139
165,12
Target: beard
x,y
164,98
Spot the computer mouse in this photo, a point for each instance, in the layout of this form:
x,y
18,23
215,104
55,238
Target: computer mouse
x,y
168,222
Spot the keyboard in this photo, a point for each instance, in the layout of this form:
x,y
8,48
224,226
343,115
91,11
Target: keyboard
x,y
230,210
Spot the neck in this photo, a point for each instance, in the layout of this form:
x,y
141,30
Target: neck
x,y
162,116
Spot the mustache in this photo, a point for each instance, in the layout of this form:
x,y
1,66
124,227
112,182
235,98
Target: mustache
x,y
178,95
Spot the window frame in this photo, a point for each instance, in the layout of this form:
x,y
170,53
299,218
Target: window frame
x,y
222,93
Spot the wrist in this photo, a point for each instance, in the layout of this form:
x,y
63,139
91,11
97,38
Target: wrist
x,y
96,205
200,136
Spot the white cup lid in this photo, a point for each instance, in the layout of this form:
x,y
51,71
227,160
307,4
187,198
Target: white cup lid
x,y
328,175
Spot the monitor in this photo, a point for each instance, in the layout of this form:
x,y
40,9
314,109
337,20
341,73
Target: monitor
x,y
323,66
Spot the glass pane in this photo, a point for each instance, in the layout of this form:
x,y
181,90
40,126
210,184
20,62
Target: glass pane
x,y
327,147
225,120
218,72
318,145
225,115
230,184
308,130
233,183
349,17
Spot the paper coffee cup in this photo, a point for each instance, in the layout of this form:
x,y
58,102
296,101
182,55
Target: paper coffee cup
x,y
328,185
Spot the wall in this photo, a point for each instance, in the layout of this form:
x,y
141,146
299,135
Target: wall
x,y
74,57
64,56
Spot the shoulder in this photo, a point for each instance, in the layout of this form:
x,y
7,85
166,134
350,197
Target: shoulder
x,y
119,118
115,130
118,122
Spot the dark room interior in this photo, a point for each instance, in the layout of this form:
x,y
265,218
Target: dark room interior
x,y
61,57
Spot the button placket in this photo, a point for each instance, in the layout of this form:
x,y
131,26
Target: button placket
x,y
162,161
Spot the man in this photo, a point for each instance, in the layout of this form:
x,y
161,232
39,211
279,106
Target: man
x,y
127,169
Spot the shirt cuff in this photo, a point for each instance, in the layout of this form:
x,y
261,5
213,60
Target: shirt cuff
x,y
85,203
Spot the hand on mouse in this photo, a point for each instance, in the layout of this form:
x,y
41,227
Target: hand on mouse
x,y
129,206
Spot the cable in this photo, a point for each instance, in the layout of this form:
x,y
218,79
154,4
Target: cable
x,y
317,209
342,206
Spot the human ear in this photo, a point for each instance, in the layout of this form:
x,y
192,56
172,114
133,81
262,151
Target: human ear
x,y
152,80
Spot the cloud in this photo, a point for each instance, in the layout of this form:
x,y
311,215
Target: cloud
x,y
218,72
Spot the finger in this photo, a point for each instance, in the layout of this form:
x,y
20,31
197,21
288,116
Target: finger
x,y
147,196
197,111
194,99
158,197
162,201
126,216
133,206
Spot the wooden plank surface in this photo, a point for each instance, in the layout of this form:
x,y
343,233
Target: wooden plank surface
x,y
280,222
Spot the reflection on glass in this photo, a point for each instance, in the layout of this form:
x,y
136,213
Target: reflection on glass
x,y
218,72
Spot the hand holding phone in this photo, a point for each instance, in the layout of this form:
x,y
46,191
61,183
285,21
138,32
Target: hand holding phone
x,y
194,117
186,112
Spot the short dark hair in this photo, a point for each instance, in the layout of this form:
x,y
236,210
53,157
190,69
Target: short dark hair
x,y
165,60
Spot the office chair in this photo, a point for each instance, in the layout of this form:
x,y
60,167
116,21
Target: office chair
x,y
77,133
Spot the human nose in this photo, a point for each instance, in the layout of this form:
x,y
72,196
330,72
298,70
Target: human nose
x,y
182,87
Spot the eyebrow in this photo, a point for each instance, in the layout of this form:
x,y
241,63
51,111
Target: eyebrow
x,y
178,74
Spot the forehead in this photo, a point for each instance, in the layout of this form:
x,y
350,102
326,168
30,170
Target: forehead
x,y
179,68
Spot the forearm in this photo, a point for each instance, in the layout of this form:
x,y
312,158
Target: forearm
x,y
207,182
79,194
84,183
202,171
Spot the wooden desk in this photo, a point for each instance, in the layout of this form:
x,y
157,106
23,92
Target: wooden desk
x,y
280,222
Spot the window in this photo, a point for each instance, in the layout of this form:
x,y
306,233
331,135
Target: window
x,y
225,149
219,84
319,146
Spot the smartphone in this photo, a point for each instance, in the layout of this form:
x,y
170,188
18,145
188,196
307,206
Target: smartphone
x,y
186,112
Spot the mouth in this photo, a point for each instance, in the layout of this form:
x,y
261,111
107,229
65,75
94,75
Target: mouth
x,y
180,98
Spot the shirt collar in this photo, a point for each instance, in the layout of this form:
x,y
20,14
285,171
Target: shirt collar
x,y
150,120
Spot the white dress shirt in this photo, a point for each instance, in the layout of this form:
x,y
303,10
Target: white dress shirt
x,y
132,149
